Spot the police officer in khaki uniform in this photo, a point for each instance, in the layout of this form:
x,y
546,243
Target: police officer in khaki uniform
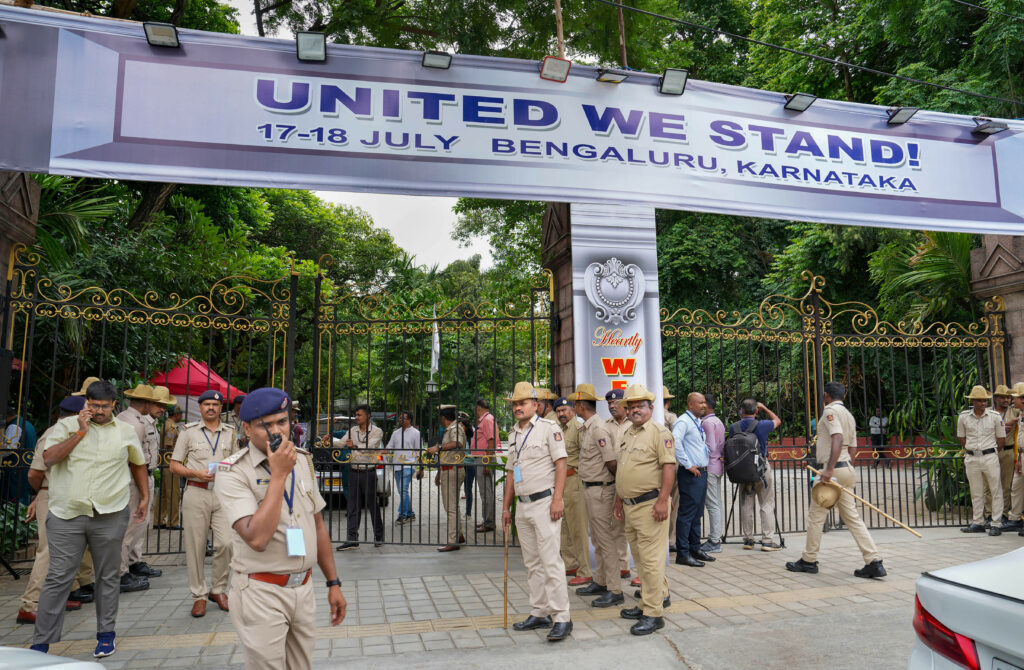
x,y
546,408
617,424
981,434
451,458
270,498
169,505
1014,521
135,573
837,434
646,466
535,476
598,463
1010,415
200,446
575,543
670,420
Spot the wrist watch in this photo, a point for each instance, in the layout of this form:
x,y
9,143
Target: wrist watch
x,y
333,582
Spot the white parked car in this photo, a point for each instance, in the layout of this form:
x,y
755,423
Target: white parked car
x,y
971,616
26,659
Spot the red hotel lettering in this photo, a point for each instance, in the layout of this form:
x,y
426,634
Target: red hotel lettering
x,y
613,367
607,337
620,384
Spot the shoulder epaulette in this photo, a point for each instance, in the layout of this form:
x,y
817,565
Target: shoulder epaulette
x,y
540,419
233,458
192,424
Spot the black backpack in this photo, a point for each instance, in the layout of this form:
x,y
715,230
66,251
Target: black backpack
x,y
742,454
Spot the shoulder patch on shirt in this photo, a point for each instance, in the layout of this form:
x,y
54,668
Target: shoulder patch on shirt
x,y
558,436
669,444
601,442
829,417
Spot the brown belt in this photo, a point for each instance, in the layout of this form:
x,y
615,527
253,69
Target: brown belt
x,y
279,580
201,485
570,472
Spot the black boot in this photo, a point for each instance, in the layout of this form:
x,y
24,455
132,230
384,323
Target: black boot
x,y
800,565
872,569
609,599
647,625
531,622
591,589
560,631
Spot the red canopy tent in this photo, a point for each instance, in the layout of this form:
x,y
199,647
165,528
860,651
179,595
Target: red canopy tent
x,y
191,378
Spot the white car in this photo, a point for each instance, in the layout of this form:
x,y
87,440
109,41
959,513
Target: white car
x,y
26,659
971,616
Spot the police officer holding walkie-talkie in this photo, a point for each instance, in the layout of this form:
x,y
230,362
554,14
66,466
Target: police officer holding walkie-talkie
x,y
269,495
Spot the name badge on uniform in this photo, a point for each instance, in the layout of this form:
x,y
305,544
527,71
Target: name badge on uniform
x,y
212,467
517,475
296,541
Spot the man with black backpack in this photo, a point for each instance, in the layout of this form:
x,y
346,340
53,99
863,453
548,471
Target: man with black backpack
x,y
744,436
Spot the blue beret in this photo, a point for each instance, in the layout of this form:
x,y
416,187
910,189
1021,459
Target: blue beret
x,y
263,402
238,398
562,402
614,394
211,395
73,403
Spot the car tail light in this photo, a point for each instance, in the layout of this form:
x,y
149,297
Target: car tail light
x,y
938,638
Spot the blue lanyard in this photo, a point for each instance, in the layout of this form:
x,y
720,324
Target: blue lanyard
x,y
215,443
288,497
523,444
699,427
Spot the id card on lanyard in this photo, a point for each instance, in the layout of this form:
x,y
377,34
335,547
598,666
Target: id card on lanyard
x,y
517,473
293,535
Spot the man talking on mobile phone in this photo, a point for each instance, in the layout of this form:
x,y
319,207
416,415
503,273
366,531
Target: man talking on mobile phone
x,y
269,495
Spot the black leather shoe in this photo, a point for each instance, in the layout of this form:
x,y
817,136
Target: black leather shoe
x,y
872,569
664,603
345,546
560,631
995,531
609,599
531,622
973,528
1012,525
631,613
684,558
141,569
591,589
800,565
647,625
82,596
130,583
703,556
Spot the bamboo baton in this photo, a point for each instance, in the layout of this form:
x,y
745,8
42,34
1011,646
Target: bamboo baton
x,y
895,521
507,529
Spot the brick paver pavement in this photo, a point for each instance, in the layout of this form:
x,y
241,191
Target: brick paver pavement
x,y
413,600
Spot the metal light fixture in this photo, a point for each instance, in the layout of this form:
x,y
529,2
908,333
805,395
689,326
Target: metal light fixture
x,y
437,59
611,76
553,68
898,115
673,81
161,34
311,47
431,386
985,126
799,102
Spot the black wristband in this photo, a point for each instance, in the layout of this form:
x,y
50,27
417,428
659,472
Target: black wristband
x,y
333,582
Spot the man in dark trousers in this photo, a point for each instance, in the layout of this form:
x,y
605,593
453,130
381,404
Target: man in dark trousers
x,y
364,439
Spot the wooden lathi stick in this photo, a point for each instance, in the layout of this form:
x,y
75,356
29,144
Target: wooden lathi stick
x,y
843,488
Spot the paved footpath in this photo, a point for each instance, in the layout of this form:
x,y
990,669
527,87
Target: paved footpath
x,y
410,607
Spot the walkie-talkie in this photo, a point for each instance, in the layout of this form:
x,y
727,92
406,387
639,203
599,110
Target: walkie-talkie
x,y
275,440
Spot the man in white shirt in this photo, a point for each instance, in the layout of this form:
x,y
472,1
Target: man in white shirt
x,y
405,445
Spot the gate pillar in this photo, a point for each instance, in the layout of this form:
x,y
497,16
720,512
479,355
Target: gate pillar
x,y
19,212
997,269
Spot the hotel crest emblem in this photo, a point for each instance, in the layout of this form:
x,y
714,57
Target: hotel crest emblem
x,y
614,289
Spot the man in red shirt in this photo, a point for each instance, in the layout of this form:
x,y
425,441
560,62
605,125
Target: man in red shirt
x,y
485,446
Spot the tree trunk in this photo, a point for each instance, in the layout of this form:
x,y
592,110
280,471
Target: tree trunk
x,y
123,9
179,11
154,199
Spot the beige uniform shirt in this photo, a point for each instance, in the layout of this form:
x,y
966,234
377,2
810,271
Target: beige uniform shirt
x,y
145,428
616,430
453,433
597,447
1010,414
242,482
95,475
981,432
535,450
670,419
571,433
836,419
366,446
642,454
37,459
198,446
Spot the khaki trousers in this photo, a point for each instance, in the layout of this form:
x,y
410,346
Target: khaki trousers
x,y
30,599
575,543
1016,497
545,572
275,624
672,515
451,487
982,472
847,506
168,510
648,539
604,531
1006,460
765,497
201,511
135,537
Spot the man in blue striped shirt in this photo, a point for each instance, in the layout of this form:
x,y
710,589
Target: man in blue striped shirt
x,y
692,476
